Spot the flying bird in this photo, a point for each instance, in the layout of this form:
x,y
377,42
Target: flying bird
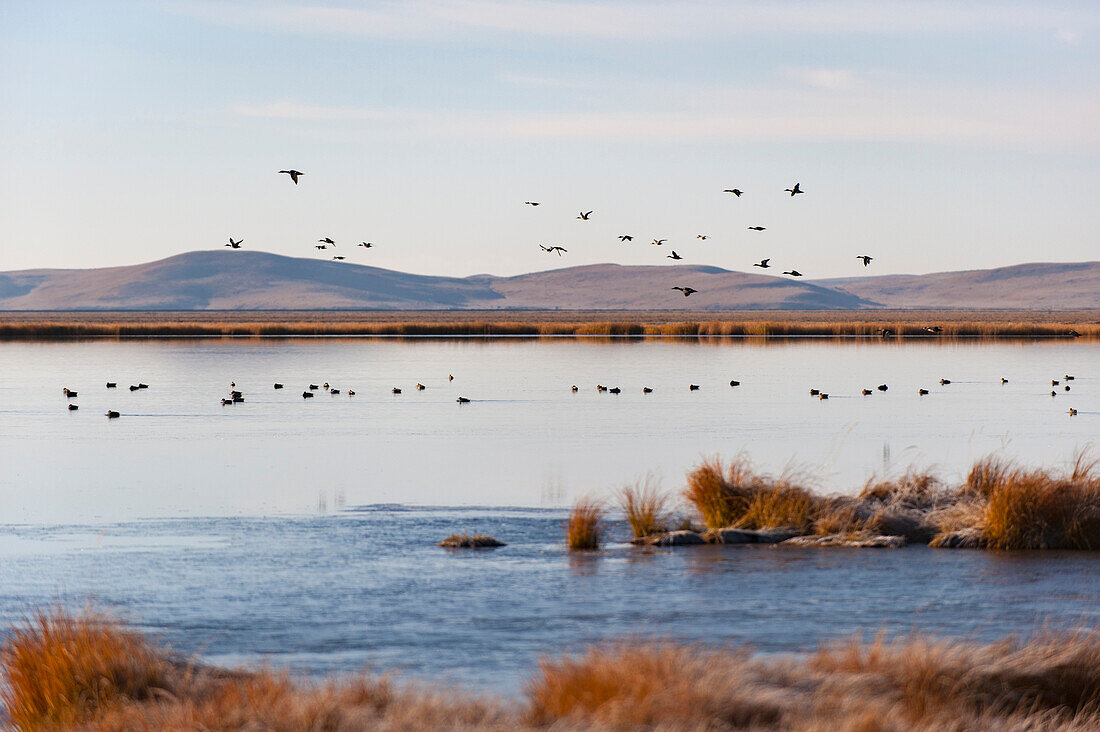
x,y
366,244
756,228
659,242
531,203
235,244
327,240
320,246
584,215
674,255
793,273
293,174
734,191
763,263
702,236
339,258
626,237
794,191
865,258
557,249
688,291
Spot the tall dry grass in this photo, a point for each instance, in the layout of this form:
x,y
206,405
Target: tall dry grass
x,y
1039,509
645,506
80,672
59,669
584,527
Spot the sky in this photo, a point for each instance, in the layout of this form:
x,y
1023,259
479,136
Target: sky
x,y
931,135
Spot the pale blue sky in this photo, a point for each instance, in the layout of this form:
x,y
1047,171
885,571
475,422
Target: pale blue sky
x,y
932,135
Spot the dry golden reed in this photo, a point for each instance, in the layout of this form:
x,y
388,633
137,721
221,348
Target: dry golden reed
x,y
84,673
645,507
584,527
1000,505
992,324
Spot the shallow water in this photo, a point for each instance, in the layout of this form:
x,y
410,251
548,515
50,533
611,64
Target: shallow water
x,y
368,587
301,532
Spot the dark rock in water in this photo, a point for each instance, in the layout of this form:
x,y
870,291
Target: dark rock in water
x,y
847,540
750,536
468,541
963,539
670,538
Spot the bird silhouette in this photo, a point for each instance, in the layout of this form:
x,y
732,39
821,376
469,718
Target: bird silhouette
x,y
584,215
794,191
307,394
734,191
551,250
112,385
702,236
763,263
235,244
866,259
320,246
339,259
532,203
793,273
113,415
462,400
366,244
659,242
757,228
922,392
626,237
674,255
688,291
933,329
328,241
293,174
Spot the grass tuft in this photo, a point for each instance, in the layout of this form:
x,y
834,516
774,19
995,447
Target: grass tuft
x,y
645,506
584,529
60,669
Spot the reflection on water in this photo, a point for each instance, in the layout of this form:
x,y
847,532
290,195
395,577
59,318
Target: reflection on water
x,y
524,440
335,593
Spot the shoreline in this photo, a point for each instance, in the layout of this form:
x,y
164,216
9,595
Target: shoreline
x,y
38,325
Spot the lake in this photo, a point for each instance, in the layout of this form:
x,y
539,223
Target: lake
x,y
302,531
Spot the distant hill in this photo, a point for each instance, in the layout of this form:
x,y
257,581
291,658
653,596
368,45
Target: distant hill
x,y
1037,286
243,280
246,280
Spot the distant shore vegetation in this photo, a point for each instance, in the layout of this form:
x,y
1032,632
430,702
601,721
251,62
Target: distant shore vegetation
x,y
65,671
859,323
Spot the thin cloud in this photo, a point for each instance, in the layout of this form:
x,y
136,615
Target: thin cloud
x,y
926,115
632,20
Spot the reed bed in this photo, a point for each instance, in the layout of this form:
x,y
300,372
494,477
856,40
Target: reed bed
x,y
1001,505
584,527
527,324
52,665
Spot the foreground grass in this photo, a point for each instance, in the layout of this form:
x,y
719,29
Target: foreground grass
x,y
42,326
1001,505
65,672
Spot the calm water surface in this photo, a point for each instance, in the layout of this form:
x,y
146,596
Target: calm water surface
x,y
302,532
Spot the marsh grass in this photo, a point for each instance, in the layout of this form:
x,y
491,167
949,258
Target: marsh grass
x,y
59,668
83,672
1001,504
645,506
584,527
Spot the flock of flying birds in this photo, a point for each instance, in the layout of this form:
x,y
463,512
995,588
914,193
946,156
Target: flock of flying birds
x,y
796,189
